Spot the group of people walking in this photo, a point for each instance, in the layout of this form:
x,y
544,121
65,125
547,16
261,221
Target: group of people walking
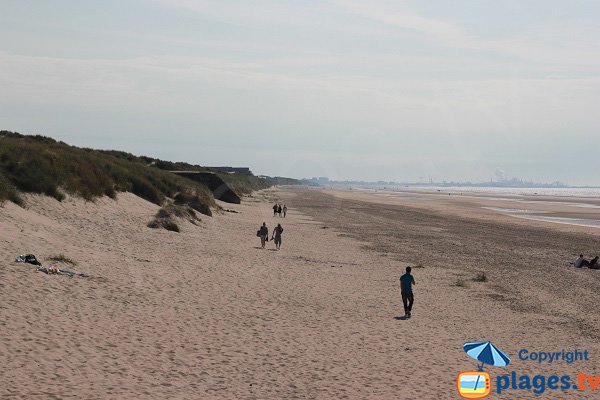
x,y
277,210
263,233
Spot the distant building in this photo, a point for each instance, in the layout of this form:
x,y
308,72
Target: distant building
x,y
230,170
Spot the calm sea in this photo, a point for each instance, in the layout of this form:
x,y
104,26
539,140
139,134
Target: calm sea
x,y
562,192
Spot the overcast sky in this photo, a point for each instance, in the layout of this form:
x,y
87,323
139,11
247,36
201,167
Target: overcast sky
x,y
349,89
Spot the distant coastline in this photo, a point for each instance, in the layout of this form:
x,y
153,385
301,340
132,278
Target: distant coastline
x,y
585,192
513,183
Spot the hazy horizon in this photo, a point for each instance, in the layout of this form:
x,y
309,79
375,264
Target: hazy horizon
x,y
393,91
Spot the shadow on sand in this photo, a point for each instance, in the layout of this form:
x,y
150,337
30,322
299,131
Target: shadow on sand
x,y
402,318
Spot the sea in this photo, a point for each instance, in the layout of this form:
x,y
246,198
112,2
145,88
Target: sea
x,y
591,192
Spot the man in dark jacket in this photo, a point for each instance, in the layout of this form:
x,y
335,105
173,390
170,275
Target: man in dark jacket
x,y
406,283
263,232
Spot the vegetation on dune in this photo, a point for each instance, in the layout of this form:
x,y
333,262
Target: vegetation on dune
x,y
243,184
62,258
37,164
480,277
165,217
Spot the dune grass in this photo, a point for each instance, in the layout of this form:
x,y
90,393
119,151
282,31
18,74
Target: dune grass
x,y
62,258
480,277
37,164
165,217
243,184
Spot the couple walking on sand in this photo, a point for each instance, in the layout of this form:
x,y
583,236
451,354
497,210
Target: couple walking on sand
x,y
263,233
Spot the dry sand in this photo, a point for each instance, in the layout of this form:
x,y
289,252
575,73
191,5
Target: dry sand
x,y
207,314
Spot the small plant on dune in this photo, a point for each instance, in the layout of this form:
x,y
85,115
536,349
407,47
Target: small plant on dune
x,y
165,223
419,266
8,192
165,217
62,258
481,277
194,201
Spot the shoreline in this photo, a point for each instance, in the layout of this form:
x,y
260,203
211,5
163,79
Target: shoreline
x,y
575,213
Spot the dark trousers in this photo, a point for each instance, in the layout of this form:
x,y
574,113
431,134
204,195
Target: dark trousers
x,y
408,299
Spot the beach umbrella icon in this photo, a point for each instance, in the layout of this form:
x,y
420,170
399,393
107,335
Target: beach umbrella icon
x,y
487,353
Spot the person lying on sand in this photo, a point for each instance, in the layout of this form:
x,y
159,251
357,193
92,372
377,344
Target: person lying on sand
x,y
594,263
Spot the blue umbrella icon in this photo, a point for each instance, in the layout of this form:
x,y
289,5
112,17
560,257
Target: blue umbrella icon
x,y
487,353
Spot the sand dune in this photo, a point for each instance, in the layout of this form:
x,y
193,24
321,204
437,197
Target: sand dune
x,y
207,314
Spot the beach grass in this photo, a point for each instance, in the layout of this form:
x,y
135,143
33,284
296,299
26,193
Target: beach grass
x,y
42,165
62,258
165,217
37,164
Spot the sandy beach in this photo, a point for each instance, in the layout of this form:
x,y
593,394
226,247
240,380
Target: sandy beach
x,y
208,314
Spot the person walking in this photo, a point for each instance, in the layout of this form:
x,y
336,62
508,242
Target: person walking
x,y
406,283
263,233
275,207
279,210
284,210
277,236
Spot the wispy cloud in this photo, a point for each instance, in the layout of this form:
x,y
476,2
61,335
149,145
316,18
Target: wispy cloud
x,y
451,34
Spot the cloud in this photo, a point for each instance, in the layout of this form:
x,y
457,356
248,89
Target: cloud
x,y
269,91
580,51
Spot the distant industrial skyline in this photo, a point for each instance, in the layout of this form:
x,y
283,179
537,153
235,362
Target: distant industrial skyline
x,y
348,89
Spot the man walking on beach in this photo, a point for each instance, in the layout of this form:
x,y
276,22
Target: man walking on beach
x,y
263,232
406,283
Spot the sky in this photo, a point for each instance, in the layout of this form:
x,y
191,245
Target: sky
x,y
364,90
